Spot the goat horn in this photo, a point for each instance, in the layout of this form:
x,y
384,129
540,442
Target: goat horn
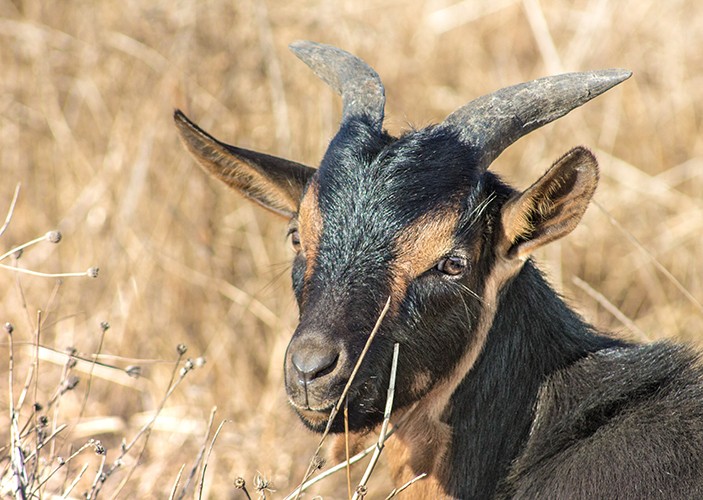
x,y
493,122
358,84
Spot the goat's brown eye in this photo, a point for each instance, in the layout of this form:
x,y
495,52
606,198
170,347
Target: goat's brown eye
x,y
295,240
452,266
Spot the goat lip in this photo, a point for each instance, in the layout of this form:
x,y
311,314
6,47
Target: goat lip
x,y
316,419
326,408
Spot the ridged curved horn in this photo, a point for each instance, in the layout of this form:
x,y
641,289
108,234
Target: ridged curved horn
x,y
493,122
358,84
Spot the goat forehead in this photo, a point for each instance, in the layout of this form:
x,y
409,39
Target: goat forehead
x,y
388,186
370,201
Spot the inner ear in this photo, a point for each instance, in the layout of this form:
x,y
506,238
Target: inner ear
x,y
552,206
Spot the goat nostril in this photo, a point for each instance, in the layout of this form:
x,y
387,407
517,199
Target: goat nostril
x,y
312,365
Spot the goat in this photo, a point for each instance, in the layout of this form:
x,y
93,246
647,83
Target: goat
x,y
503,389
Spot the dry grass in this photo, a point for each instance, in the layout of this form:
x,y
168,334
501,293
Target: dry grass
x,y
86,95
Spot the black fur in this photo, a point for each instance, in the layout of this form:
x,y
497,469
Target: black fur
x,y
534,335
615,420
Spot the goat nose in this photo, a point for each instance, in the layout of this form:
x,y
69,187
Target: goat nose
x,y
314,363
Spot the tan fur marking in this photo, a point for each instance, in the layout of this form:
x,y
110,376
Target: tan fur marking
x,y
310,226
422,441
419,246
420,382
358,441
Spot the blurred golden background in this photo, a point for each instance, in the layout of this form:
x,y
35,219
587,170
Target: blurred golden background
x,y
87,91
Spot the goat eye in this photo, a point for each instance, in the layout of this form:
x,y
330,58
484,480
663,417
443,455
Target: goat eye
x,y
452,266
295,240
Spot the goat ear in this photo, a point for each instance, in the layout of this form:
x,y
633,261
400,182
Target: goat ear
x,y
552,206
275,183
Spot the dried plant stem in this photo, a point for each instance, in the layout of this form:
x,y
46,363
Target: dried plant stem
x,y
146,429
50,302
23,298
103,330
45,275
49,439
631,238
75,481
340,466
207,457
337,407
199,458
610,307
99,477
11,210
25,388
21,247
64,376
346,446
172,495
386,419
93,358
62,464
35,413
395,491
19,471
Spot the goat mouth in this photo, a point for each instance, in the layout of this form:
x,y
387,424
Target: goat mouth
x,y
315,419
326,408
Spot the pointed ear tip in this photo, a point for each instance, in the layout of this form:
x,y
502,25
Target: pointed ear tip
x,y
188,131
180,118
586,164
584,152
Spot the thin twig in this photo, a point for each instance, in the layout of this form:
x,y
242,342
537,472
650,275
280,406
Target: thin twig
x,y
340,466
18,468
337,407
146,429
88,273
201,453
75,481
21,247
103,330
50,438
175,484
395,491
346,446
11,210
23,298
610,307
99,477
37,439
386,419
62,463
64,377
631,238
25,388
50,302
207,457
